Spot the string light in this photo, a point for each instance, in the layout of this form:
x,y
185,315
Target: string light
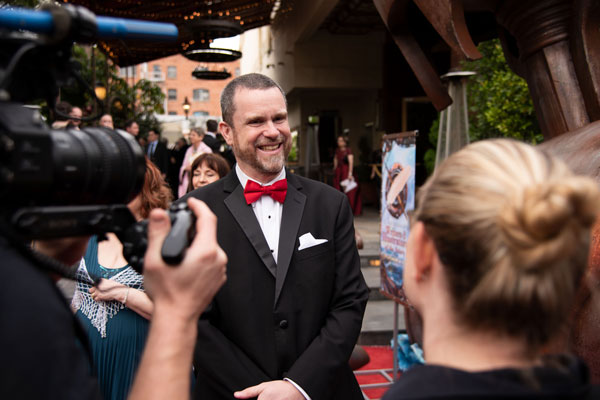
x,y
247,15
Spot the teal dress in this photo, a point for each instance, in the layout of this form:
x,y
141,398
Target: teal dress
x,y
116,351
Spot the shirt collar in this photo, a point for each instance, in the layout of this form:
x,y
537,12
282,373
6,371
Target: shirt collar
x,y
243,178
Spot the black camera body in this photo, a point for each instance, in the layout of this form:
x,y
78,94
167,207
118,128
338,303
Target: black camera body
x,y
59,183
183,230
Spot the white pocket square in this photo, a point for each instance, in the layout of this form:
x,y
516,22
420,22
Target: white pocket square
x,y
307,240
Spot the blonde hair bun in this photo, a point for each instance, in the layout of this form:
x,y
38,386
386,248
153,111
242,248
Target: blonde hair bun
x,y
511,226
546,221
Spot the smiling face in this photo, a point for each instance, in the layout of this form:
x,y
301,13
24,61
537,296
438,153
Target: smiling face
x,y
203,175
260,134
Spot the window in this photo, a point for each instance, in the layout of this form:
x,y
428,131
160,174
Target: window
x,y
171,72
201,95
127,72
172,94
172,113
200,114
156,73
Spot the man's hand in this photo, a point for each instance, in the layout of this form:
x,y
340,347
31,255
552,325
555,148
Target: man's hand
x,y
273,390
188,288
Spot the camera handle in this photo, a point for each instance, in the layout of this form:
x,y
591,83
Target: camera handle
x,y
53,222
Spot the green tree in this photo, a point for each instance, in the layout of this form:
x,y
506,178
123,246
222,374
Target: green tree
x,y
499,102
20,3
123,101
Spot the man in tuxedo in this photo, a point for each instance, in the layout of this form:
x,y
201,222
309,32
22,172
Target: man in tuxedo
x,y
285,323
157,152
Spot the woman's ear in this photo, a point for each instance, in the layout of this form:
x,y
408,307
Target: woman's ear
x,y
424,252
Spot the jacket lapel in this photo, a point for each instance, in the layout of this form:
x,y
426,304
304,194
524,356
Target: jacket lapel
x,y
293,208
244,215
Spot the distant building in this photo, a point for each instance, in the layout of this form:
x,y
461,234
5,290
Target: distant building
x,y
174,76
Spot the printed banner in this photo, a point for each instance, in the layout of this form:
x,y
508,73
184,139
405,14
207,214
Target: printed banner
x,y
397,199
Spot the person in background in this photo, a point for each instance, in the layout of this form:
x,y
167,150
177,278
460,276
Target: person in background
x,y
498,246
210,139
62,121
76,114
106,121
157,152
132,127
207,168
196,148
343,165
176,155
116,311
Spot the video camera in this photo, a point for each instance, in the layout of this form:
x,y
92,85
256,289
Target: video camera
x,y
59,183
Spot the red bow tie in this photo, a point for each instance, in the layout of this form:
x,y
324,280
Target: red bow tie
x,y
253,191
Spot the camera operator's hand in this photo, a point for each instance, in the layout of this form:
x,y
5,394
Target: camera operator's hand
x,y
180,294
190,286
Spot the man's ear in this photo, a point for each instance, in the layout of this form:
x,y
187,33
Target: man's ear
x,y
227,132
425,252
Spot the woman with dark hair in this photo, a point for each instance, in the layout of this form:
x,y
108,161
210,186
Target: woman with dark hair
x,y
197,147
115,312
497,249
207,168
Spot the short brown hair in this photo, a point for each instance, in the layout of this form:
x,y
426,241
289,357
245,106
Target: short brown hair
x,y
213,161
511,226
248,81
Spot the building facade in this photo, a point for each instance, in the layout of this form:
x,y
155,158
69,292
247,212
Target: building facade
x,y
174,76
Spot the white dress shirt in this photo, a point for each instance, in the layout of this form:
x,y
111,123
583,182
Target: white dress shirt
x,y
268,213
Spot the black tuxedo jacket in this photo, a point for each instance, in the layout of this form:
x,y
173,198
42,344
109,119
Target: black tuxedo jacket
x,y
298,318
160,157
213,143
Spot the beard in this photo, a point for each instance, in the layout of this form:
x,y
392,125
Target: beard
x,y
265,164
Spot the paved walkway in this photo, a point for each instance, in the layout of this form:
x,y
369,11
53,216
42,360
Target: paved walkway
x,y
368,225
378,322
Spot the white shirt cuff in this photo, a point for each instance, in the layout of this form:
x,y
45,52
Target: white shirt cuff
x,y
306,396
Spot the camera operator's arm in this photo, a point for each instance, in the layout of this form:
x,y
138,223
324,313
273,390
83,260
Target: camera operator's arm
x,y
180,294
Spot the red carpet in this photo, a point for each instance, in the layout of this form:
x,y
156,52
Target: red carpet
x,y
381,359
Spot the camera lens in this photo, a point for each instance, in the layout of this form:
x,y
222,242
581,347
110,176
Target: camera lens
x,y
96,166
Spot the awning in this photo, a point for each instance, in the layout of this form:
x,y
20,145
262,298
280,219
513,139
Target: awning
x,y
193,18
